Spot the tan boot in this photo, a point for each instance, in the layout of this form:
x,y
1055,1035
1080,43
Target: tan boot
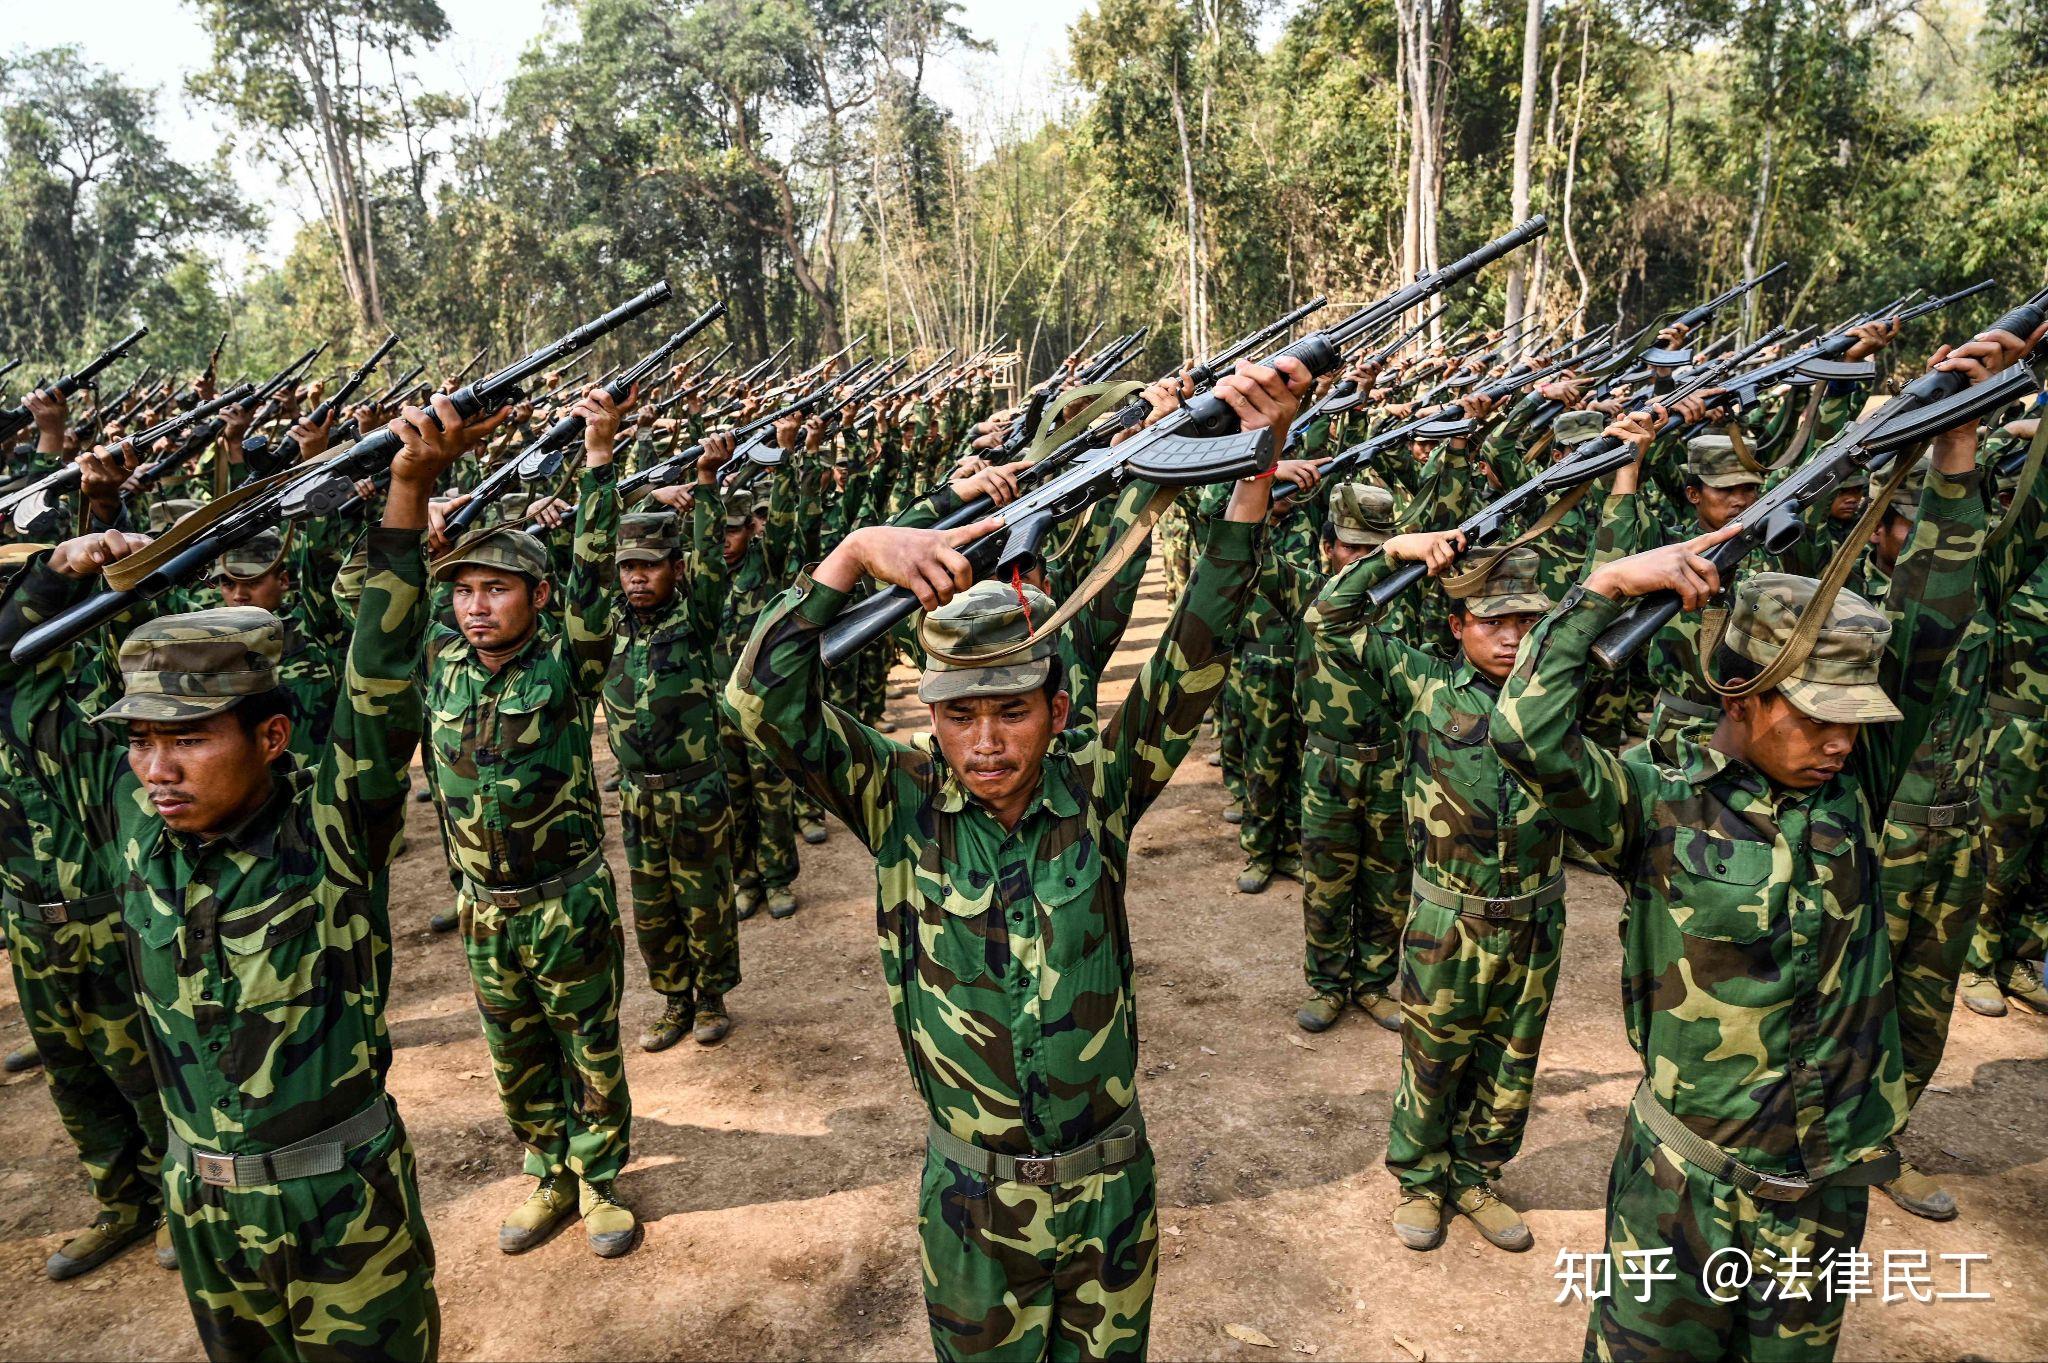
x,y
1380,1009
1919,1194
613,1230
1981,994
1419,1220
102,1240
1320,1013
2022,985
1254,879
781,903
673,1024
713,1022
1501,1224
745,900
546,1209
166,1252
813,831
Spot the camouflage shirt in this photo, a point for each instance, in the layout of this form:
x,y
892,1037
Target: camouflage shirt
x,y
1007,954
661,695
1338,699
261,958
512,748
1756,974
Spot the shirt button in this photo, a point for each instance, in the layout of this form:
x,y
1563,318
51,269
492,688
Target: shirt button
x,y
1027,1052
1070,882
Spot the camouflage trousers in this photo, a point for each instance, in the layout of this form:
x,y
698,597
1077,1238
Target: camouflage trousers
x,y
335,1266
1176,545
1933,882
679,861
548,978
78,998
1475,994
1016,1271
1230,731
2014,924
1354,876
1270,734
1657,1201
764,812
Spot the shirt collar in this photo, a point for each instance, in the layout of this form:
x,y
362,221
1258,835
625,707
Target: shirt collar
x,y
256,834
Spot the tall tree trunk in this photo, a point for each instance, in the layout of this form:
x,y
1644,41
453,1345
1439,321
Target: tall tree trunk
x,y
1571,162
1753,240
1540,270
1198,322
1525,132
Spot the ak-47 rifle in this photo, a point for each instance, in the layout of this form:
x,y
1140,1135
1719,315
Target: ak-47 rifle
x,y
1345,393
285,450
753,457
915,383
671,469
542,459
309,490
15,420
459,375
1199,442
30,503
1935,402
9,367
1594,459
275,393
817,370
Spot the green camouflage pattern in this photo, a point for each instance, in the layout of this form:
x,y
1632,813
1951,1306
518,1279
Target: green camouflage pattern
x,y
2013,926
180,667
679,864
262,961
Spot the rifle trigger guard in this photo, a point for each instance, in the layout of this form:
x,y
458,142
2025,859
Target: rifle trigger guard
x,y
1187,461
1839,371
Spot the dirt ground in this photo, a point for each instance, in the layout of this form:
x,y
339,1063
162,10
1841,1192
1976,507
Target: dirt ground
x,y
777,1173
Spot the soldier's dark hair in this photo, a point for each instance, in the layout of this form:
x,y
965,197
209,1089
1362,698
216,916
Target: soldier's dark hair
x,y
1328,534
251,711
1055,682
1731,667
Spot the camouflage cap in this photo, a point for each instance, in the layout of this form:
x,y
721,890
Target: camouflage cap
x,y
1362,513
185,667
500,547
1857,480
168,512
983,617
1712,459
1577,427
648,537
739,513
1837,683
761,502
1514,587
253,559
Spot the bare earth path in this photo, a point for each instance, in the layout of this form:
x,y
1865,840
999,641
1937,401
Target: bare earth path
x,y
777,1173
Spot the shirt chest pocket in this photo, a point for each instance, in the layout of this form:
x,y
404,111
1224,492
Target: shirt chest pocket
x,y
1838,870
958,928
273,951
1458,752
533,717
1720,886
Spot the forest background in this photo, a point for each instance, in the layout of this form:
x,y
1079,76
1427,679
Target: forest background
x,y
1216,160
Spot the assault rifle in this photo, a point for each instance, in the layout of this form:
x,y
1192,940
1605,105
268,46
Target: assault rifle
x,y
30,503
286,449
195,543
1199,442
15,420
671,469
1933,403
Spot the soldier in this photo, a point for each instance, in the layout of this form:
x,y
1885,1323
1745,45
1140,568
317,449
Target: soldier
x,y
1000,865
1752,913
60,876
1354,896
256,574
257,929
1479,954
661,718
511,694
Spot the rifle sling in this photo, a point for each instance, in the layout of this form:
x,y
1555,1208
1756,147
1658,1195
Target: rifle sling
x,y
1483,560
2029,473
1743,453
1806,630
124,574
1093,400
1802,436
1099,577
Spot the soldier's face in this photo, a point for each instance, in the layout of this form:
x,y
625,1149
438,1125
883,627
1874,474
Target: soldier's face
x,y
266,591
1786,745
648,586
737,538
997,743
1846,505
207,775
1889,540
1490,642
496,609
1719,505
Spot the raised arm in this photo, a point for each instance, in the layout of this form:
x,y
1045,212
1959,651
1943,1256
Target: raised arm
x,y
593,586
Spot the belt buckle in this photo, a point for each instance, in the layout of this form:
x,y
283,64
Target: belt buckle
x,y
1498,908
52,913
1771,1188
504,899
218,1170
1035,1170
1943,816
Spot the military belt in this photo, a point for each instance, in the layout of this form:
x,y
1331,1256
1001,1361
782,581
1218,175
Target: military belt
x,y
1120,1142
1266,651
1710,1159
669,780
1501,906
1958,814
58,911
1361,752
2018,709
323,1152
524,896
1691,709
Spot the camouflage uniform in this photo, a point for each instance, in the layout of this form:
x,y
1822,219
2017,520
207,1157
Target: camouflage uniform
x,y
60,878
1479,957
1757,983
307,671
262,961
2012,931
1354,897
1008,962
763,800
661,718
525,835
